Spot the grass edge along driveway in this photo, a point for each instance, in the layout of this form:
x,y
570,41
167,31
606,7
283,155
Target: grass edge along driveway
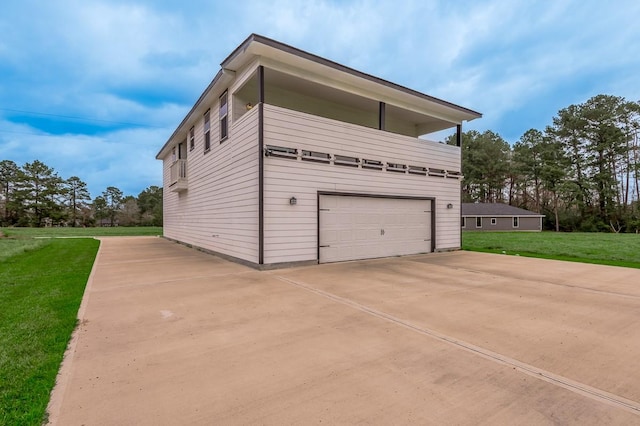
x,y
586,247
40,294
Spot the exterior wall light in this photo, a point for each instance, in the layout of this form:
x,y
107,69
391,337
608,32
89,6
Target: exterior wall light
x,y
449,206
293,201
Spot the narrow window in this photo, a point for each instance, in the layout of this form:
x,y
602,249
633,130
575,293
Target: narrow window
x,y
224,123
173,155
192,138
493,220
516,222
478,222
207,131
464,222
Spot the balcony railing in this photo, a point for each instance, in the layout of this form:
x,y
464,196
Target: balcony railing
x,y
179,180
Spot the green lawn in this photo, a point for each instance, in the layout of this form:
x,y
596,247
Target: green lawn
x,y
82,232
601,248
13,246
41,286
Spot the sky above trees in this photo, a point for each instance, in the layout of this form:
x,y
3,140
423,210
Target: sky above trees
x,y
95,88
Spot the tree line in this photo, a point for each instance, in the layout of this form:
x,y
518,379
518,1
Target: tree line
x,y
35,195
582,172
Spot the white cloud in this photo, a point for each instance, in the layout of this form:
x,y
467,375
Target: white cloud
x,y
122,158
147,62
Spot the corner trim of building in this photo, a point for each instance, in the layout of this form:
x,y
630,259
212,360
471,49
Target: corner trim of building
x,y
260,165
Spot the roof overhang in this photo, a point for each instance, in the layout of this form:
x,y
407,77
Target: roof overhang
x,y
383,90
323,71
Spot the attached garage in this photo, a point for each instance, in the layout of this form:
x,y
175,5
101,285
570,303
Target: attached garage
x,y
355,226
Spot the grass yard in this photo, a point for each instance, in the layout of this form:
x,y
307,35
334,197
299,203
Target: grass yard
x,y
600,248
13,246
118,231
41,286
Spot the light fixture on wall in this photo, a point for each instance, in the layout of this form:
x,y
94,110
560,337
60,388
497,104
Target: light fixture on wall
x,y
449,206
293,201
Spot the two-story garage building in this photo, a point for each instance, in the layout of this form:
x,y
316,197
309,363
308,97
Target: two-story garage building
x,y
288,157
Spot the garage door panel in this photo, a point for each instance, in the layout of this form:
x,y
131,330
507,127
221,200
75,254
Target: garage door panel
x,y
368,227
346,236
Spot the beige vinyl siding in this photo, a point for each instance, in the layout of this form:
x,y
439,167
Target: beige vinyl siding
x,y
291,230
219,211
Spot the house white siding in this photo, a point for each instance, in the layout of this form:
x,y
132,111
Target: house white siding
x,y
219,210
290,231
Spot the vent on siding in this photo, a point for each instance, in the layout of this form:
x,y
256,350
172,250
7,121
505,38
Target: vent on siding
x,y
280,151
436,172
418,170
371,164
316,156
395,167
454,175
343,160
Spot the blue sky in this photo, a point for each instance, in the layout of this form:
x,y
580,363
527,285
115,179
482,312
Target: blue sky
x,y
95,88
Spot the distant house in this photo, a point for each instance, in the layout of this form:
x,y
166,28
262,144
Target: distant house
x,y
499,217
289,157
106,222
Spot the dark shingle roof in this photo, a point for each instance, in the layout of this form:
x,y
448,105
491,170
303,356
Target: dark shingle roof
x,y
494,209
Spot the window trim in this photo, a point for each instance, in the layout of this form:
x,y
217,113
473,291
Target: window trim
x,y
516,222
192,138
223,116
206,127
478,221
494,221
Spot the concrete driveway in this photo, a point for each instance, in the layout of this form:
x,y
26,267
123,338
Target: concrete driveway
x,y
173,336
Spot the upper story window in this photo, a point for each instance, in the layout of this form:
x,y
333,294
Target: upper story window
x,y
224,121
207,130
192,138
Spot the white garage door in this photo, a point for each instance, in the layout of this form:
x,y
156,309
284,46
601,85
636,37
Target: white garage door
x,y
367,227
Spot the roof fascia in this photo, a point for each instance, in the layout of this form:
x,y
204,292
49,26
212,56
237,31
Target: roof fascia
x,y
358,77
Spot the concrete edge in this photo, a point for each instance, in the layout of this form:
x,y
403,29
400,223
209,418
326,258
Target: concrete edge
x,y
447,249
282,265
64,372
265,267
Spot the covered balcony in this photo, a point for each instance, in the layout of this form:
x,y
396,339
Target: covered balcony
x,y
321,97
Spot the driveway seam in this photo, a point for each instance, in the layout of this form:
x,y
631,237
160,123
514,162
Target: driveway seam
x,y
547,376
